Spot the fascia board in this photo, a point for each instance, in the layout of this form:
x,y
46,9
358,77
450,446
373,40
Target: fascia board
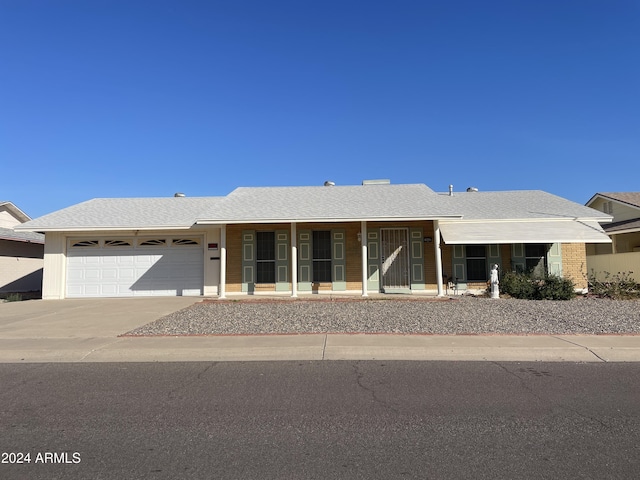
x,y
619,232
19,214
507,240
104,229
324,220
593,199
534,220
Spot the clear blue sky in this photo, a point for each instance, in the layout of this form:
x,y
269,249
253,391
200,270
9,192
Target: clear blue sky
x,y
136,98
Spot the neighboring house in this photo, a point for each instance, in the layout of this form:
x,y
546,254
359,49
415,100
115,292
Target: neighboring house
x,y
21,253
375,237
623,253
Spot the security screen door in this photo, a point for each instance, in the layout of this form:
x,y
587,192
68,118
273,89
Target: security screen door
x,y
395,259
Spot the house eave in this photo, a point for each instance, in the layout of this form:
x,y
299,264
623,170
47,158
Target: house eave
x,y
325,220
105,229
8,239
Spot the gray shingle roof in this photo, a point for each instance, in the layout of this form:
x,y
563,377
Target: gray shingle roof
x,y
284,204
10,234
365,202
518,204
125,213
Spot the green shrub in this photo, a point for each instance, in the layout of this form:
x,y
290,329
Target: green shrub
x,y
528,287
620,286
553,287
517,285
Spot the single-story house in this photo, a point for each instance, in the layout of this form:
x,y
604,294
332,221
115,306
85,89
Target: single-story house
x,y
623,253
374,237
21,253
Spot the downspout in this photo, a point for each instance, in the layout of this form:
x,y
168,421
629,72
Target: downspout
x,y
438,253
223,262
363,241
294,260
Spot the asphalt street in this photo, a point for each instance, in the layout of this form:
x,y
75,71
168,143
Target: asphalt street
x,y
307,420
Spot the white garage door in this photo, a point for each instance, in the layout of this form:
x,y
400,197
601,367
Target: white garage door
x,y
127,267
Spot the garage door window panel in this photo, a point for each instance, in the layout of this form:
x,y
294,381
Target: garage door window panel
x,y
85,243
153,242
185,242
117,243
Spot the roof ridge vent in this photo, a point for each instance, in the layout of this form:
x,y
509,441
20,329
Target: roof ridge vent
x,y
382,181
179,195
472,189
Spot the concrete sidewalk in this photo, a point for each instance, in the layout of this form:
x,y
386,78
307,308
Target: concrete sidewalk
x,y
87,331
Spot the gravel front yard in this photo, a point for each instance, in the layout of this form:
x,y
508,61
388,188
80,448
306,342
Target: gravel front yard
x,y
462,315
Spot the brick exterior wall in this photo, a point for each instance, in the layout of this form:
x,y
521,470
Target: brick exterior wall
x,y
574,263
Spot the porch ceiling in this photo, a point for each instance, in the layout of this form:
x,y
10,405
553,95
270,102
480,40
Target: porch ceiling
x,y
555,231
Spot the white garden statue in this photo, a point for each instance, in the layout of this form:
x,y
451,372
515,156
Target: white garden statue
x,y
495,290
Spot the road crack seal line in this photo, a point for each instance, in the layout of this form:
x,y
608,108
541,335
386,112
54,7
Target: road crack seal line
x,y
195,381
372,392
524,385
583,346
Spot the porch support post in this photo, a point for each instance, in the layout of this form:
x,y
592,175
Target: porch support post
x,y
365,256
294,260
438,252
223,262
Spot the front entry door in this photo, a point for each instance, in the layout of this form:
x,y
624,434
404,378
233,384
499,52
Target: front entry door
x,y
395,260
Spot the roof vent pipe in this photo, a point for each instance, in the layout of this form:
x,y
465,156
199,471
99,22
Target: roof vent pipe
x,y
451,190
179,195
472,189
329,183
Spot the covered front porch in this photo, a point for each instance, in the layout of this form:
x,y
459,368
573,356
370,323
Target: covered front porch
x,y
336,258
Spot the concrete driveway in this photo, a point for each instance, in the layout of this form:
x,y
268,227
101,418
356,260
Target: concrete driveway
x,y
84,318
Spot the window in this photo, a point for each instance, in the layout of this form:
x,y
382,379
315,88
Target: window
x,y
265,257
117,243
321,256
535,258
476,263
185,241
85,243
153,242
